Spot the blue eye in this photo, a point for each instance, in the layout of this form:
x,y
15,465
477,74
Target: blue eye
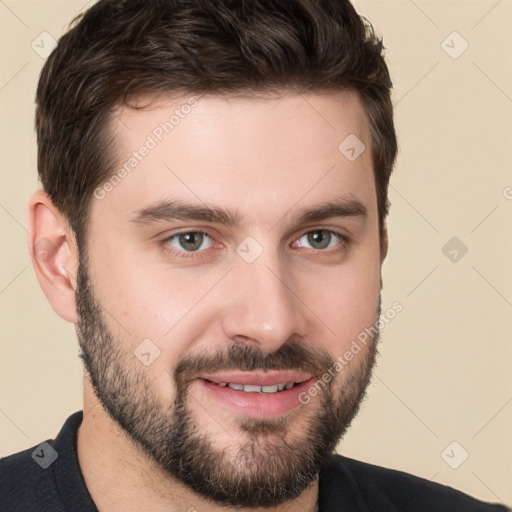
x,y
190,241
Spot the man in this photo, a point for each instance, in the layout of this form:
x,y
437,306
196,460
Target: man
x,y
212,220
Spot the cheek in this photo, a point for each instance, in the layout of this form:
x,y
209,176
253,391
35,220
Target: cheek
x,y
132,303
171,308
345,302
155,305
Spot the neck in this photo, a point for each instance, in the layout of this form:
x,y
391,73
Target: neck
x,y
121,477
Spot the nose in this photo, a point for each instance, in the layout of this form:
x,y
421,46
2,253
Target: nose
x,y
263,309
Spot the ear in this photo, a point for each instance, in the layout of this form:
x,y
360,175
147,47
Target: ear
x,y
384,244
52,247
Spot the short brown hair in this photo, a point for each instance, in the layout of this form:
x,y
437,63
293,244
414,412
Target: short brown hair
x,y
123,48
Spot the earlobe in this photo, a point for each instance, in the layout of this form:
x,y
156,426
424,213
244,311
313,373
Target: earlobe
x,y
54,254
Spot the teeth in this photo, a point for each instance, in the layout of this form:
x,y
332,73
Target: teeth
x,y
249,388
252,388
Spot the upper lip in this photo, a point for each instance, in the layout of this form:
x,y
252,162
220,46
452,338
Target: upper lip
x,y
259,379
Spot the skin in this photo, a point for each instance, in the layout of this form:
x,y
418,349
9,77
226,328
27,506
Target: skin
x,y
267,159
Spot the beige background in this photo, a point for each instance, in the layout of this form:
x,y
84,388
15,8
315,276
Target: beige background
x,y
444,372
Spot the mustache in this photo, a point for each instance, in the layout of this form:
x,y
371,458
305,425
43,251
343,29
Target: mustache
x,y
289,356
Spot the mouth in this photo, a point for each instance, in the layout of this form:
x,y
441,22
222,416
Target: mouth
x,y
257,395
254,388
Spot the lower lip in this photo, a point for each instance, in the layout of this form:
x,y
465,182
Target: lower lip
x,y
257,405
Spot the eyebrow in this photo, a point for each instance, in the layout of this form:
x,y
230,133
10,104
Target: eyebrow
x,y
178,209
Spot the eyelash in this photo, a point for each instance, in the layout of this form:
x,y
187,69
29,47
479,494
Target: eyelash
x,y
344,242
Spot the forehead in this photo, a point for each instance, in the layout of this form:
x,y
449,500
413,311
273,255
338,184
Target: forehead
x,y
263,154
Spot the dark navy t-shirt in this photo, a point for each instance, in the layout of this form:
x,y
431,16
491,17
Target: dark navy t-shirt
x,y
47,478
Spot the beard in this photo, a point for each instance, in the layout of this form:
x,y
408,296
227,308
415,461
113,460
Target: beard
x,y
275,463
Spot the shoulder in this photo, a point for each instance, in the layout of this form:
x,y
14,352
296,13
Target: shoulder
x,y
26,483
45,477
391,490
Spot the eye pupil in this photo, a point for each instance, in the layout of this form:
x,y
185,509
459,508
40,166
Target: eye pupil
x,y
319,239
191,241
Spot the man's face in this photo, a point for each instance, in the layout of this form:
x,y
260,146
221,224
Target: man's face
x,y
213,299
